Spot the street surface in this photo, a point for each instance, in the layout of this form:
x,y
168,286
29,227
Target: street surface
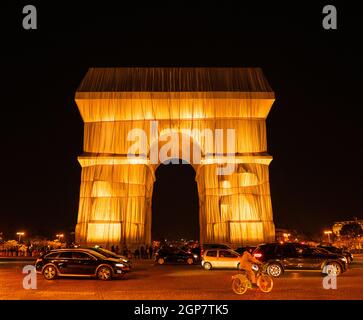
x,y
180,282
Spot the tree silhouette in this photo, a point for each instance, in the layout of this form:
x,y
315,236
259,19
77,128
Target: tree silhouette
x,y
351,230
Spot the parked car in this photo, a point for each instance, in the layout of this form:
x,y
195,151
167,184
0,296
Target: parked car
x,y
110,254
174,255
220,258
79,263
337,250
295,256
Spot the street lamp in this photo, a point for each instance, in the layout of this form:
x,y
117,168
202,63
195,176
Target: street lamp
x,y
20,234
328,232
59,236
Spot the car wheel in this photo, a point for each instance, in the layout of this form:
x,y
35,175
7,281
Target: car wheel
x,y
161,261
334,269
104,273
190,261
240,285
274,270
207,266
50,272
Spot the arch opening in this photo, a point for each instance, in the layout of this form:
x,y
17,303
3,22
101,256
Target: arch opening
x,y
175,203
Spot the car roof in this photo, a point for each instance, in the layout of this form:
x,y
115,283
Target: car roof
x,y
215,249
76,249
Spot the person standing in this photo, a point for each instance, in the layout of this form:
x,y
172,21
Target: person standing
x,y
124,250
151,252
142,252
137,253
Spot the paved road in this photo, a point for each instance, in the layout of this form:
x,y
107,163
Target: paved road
x,y
148,281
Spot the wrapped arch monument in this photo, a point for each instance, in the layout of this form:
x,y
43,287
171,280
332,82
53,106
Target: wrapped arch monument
x,y
181,108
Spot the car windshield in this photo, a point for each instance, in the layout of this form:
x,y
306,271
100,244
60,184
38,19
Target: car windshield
x,y
106,252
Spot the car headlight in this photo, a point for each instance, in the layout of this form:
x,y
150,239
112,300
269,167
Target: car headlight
x,y
344,259
120,265
195,256
124,260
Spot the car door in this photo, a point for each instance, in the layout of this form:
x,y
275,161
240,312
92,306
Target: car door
x,y
211,256
314,258
227,259
288,255
308,259
172,256
178,257
83,263
65,262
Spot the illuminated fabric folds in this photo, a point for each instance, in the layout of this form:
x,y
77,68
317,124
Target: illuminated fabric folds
x,y
116,191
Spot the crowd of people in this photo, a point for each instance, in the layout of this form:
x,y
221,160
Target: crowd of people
x,y
142,252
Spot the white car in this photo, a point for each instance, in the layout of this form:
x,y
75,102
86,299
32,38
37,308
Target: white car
x,y
220,258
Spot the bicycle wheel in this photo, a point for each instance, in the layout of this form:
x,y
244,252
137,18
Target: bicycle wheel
x,y
239,286
265,283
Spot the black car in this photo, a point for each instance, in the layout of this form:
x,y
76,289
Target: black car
x,y
79,263
170,255
336,250
110,254
294,256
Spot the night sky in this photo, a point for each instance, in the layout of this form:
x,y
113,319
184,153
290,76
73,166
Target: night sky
x,y
315,126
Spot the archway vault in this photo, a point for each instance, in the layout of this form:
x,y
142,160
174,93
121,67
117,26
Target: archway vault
x,y
191,104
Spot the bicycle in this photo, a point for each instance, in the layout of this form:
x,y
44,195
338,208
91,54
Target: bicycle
x,y
241,283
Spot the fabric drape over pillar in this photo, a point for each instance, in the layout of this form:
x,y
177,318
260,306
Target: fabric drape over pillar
x,y
116,190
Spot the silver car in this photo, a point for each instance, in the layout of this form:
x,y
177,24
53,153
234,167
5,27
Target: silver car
x,y
220,258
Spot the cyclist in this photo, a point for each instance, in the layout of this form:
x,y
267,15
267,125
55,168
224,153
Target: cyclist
x,y
245,263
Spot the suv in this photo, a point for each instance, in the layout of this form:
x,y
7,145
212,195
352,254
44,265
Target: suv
x,y
79,263
295,256
110,254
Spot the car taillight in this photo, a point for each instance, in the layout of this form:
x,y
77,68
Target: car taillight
x,y
257,255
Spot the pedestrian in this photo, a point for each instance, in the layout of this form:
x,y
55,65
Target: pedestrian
x,y
113,248
124,251
117,250
147,252
151,252
142,252
137,253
